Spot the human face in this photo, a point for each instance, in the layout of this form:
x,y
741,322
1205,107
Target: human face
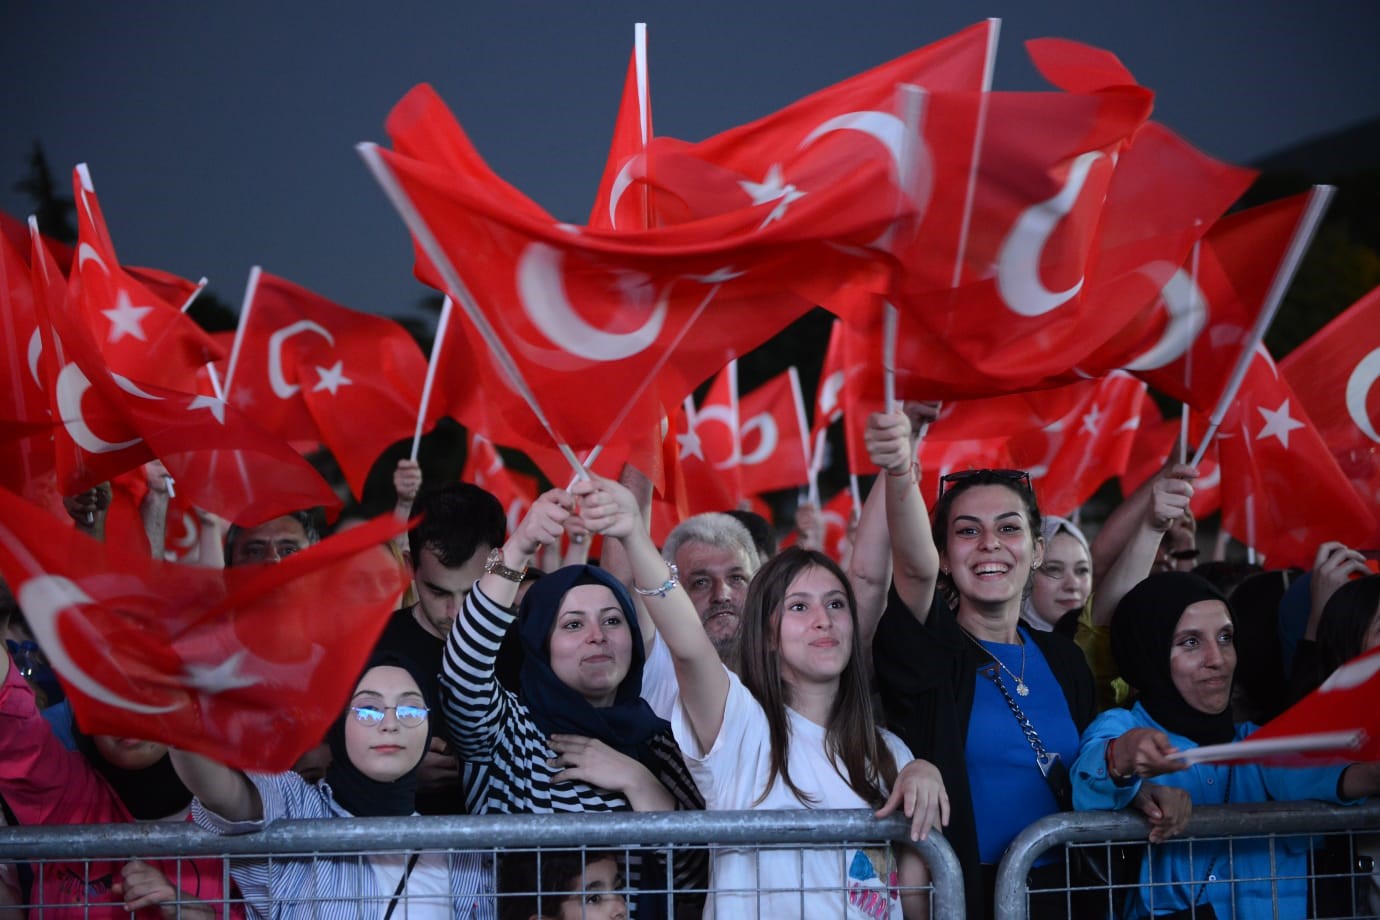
x,y
377,576
991,547
591,643
441,591
716,580
1202,656
814,632
130,753
389,750
602,898
273,541
1063,581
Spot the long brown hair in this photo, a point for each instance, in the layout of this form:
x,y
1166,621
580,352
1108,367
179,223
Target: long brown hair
x,y
852,735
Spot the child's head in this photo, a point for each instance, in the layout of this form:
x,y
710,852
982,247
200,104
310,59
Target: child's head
x,y
561,885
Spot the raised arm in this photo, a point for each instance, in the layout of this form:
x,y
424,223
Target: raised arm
x,y
913,553
610,509
225,791
614,559
153,509
1169,496
407,482
869,565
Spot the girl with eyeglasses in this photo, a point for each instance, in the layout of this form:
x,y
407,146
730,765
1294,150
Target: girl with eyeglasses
x,y
960,682
376,746
796,730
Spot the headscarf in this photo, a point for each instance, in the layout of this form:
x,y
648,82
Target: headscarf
x,y
1049,529
1142,637
629,724
352,790
150,794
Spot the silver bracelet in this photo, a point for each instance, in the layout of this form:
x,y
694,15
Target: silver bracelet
x,y
666,587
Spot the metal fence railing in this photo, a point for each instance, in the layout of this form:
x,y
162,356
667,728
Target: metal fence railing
x,y
1274,855
662,839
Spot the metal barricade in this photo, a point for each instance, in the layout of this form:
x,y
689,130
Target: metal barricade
x,y
314,845
1336,877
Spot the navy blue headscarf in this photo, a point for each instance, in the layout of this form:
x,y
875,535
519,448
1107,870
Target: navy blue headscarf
x,y
626,726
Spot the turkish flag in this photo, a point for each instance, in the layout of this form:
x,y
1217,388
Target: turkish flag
x,y
485,468
710,452
828,395
1071,458
1282,492
110,424
140,335
1077,68
26,456
772,436
608,327
940,458
631,132
1334,375
311,369
837,515
1198,331
238,664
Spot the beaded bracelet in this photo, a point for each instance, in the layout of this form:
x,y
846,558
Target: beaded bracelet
x,y
666,587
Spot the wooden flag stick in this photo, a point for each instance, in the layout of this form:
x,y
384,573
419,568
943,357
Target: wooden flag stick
x,y
1318,201
432,363
427,240
891,318
813,495
250,289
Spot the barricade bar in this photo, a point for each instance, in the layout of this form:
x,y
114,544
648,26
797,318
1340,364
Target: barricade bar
x,y
1266,819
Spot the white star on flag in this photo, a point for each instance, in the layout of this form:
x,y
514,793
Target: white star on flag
x,y
332,378
1092,420
221,677
770,189
1278,424
690,445
126,319
215,406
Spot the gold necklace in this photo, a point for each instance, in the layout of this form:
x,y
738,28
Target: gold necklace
x,y
1021,688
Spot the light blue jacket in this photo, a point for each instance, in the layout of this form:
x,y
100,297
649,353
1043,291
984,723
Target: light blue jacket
x,y
1273,875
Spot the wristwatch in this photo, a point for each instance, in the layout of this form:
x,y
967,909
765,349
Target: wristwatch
x,y
494,566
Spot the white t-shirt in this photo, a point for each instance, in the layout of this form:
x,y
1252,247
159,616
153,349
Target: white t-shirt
x,y
659,685
794,883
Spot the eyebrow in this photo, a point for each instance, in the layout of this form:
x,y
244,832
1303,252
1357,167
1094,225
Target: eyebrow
x,y
827,595
581,612
973,517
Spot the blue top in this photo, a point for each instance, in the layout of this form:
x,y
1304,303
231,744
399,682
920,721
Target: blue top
x,y
1269,878
1009,791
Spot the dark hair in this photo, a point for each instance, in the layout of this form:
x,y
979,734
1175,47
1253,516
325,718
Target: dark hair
x,y
851,736
1261,681
312,521
1228,576
527,878
1344,622
943,510
457,518
763,537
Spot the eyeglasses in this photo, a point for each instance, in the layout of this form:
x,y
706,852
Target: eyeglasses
x,y
1016,477
411,716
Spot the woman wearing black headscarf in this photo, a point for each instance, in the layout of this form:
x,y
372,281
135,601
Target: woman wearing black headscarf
x,y
376,746
578,737
1173,639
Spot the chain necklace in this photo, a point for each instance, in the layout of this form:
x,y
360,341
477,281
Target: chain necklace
x,y
1021,688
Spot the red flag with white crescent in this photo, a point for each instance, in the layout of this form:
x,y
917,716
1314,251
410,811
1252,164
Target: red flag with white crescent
x,y
485,468
772,436
238,664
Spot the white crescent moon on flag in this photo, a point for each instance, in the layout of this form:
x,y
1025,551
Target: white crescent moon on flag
x,y
43,599
723,415
770,436
1358,387
87,253
634,168
890,132
1353,674
71,387
1186,308
829,392
1018,263
541,288
35,351
281,388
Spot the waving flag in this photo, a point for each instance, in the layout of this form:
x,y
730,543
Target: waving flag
x,y
485,468
772,434
631,134
1154,439
26,455
1334,374
711,450
311,369
1282,492
238,664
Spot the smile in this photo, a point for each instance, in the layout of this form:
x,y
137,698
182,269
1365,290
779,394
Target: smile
x,y
991,568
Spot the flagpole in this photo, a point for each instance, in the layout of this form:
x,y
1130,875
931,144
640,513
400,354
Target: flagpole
x,y
432,363
891,318
979,135
732,370
250,290
1318,200
816,460
200,286
408,212
855,492
1193,292
813,495
644,110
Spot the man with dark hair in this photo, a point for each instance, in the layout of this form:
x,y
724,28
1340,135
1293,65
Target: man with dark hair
x,y
273,540
461,524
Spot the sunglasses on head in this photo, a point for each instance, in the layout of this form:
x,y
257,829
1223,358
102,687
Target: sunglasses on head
x,y
410,716
1015,477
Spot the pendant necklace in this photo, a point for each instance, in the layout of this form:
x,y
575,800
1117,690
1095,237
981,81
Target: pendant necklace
x,y
1021,688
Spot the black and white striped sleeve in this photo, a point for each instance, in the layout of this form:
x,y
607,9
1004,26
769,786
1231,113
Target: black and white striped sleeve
x,y
473,702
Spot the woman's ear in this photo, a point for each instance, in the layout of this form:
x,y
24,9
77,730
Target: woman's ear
x,y
1039,556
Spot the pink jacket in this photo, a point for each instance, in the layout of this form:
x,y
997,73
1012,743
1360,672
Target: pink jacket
x,y
44,783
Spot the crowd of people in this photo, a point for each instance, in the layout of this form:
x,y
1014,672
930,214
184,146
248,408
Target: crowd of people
x,y
975,666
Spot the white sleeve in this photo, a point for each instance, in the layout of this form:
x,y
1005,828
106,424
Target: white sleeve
x,y
660,688
730,774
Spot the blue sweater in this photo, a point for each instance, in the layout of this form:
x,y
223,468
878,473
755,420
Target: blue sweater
x,y
1267,878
